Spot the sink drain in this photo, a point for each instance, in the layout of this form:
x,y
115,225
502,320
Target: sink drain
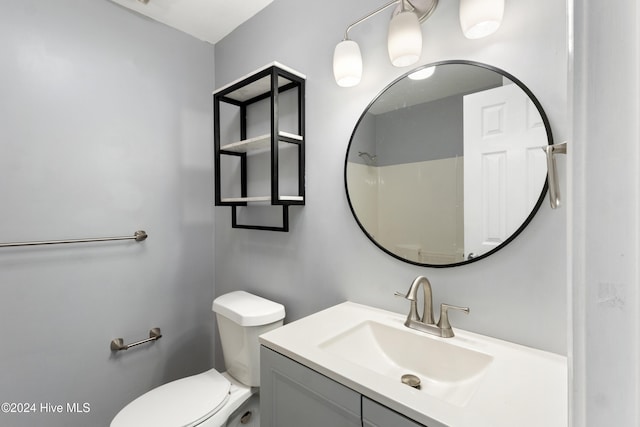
x,y
411,380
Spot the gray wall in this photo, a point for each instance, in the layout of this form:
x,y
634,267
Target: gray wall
x,y
105,129
364,140
518,294
422,132
430,131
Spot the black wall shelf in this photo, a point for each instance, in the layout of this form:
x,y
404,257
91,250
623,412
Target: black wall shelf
x,y
262,86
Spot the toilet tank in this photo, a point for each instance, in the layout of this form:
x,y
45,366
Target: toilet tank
x,y
242,317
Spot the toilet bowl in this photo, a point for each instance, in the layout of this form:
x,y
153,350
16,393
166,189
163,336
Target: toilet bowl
x,y
212,399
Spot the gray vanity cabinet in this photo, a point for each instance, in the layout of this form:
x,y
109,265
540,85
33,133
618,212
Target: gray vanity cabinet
x,y
376,415
293,395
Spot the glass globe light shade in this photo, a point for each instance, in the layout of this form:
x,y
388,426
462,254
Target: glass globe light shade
x,y
480,18
347,63
404,40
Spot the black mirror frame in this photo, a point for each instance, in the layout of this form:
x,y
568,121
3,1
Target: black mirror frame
x,y
534,210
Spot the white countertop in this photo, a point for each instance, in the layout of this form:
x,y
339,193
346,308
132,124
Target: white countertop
x,y
521,387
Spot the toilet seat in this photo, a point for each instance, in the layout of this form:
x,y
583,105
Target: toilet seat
x,y
186,402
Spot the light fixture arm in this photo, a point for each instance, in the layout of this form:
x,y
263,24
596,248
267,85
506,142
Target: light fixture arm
x,y
422,10
369,15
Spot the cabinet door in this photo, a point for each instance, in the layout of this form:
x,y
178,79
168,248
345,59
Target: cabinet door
x,y
376,415
292,395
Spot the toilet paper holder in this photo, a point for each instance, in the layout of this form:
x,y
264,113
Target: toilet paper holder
x,y
118,344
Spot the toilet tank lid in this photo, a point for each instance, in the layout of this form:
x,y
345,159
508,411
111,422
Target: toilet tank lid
x,y
247,309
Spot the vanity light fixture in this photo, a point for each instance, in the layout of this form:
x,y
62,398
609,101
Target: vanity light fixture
x,y
347,63
478,18
404,40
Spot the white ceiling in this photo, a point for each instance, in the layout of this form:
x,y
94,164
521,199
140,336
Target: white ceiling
x,y
207,20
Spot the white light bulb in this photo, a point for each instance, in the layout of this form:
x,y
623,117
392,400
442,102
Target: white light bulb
x,y
423,73
404,40
480,18
347,63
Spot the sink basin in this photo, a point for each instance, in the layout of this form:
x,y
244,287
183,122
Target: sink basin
x,y
445,370
466,380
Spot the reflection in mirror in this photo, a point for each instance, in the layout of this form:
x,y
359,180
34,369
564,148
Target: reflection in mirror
x,y
448,169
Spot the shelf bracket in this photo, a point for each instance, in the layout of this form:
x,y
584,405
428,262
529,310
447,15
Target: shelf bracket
x,y
284,227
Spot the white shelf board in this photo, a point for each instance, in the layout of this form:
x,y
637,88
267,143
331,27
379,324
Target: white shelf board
x,y
260,86
262,142
262,199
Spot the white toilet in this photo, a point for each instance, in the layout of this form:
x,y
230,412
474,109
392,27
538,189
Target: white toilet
x,y
214,399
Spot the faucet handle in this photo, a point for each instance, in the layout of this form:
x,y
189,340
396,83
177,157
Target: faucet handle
x,y
413,310
400,294
443,323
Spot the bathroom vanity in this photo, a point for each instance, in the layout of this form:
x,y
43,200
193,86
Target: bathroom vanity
x,y
296,392
343,367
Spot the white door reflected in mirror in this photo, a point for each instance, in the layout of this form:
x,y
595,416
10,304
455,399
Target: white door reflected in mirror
x,y
504,165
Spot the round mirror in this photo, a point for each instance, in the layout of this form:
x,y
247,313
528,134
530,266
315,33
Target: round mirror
x,y
447,164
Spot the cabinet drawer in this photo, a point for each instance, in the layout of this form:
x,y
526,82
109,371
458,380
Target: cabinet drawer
x,y
376,415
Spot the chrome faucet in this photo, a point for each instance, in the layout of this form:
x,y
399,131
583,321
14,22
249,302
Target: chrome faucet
x,y
412,295
426,323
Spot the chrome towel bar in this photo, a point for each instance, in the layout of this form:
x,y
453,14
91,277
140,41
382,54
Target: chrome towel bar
x,y
118,343
138,236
